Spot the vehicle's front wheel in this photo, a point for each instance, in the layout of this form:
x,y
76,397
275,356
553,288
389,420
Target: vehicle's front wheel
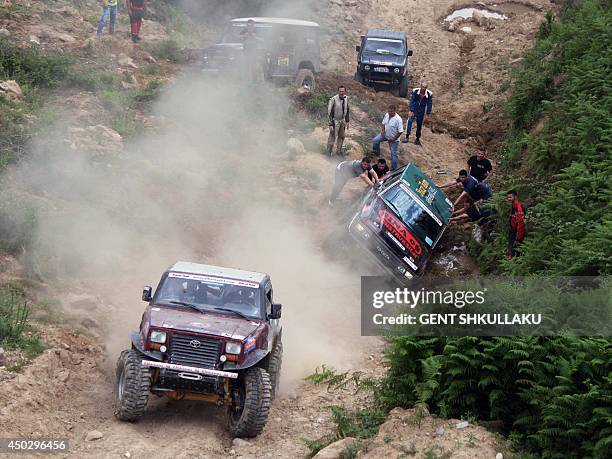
x,y
274,367
251,401
358,77
305,78
132,387
403,86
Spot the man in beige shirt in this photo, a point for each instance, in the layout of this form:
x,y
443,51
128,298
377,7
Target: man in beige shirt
x,y
338,114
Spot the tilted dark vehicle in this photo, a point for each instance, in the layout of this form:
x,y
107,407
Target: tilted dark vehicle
x,y
285,49
401,221
382,57
210,334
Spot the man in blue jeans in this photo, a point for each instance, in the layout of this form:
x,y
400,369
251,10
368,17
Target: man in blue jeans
x,y
109,7
391,130
421,101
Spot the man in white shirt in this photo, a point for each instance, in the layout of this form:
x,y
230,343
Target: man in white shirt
x,y
391,130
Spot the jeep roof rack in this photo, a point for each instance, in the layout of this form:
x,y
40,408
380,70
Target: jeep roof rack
x,y
197,268
388,34
283,21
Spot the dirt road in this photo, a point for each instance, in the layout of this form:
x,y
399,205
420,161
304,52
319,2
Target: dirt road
x,y
67,392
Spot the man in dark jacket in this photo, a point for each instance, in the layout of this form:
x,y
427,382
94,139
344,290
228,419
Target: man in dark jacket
x,y
471,187
517,224
421,102
136,10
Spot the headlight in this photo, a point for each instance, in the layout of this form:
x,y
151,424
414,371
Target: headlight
x,y
359,227
233,348
408,275
158,336
396,70
366,67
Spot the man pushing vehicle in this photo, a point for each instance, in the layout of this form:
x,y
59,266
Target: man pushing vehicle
x,y
352,169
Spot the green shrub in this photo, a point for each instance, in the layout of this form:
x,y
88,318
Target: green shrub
x,y
317,104
553,394
14,314
565,165
168,49
29,66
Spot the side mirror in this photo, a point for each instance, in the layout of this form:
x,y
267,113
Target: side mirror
x,y
146,293
276,311
410,52
357,48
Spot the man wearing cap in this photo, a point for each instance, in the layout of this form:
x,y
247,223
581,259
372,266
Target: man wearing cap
x,y
479,166
421,102
471,187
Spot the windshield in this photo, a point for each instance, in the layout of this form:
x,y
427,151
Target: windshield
x,y
235,32
384,46
208,294
412,214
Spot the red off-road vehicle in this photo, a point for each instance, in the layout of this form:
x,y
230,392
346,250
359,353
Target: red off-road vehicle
x,y
208,333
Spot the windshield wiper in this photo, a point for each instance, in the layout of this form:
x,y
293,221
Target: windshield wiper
x,y
238,313
189,305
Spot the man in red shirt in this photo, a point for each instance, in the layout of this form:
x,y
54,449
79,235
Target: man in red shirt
x,y
517,224
136,10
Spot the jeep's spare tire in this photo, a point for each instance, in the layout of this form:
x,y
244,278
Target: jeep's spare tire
x,y
305,78
251,399
132,387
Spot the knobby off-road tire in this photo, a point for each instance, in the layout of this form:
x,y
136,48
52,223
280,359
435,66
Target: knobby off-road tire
x,y
274,367
403,87
249,419
132,387
305,77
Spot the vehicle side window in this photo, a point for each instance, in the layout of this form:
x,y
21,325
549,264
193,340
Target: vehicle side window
x,y
268,299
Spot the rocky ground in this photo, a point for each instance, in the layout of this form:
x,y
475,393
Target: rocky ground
x,y
67,391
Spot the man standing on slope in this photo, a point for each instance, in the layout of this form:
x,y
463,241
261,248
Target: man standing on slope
x,y
517,224
421,102
109,8
390,131
338,115
136,10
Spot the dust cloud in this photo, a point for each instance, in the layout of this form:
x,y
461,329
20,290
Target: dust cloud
x,y
202,187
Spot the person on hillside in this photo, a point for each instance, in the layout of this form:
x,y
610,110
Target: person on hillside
x,y
338,111
517,224
136,10
109,8
421,104
390,131
381,169
479,166
471,187
352,169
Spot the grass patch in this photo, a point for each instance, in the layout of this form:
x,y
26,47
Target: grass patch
x,y
169,49
15,329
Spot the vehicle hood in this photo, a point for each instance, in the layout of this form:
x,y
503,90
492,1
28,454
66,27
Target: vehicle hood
x,y
225,326
383,59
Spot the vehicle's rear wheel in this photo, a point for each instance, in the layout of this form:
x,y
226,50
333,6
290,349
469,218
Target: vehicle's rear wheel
x,y
305,78
274,367
132,387
403,86
250,406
